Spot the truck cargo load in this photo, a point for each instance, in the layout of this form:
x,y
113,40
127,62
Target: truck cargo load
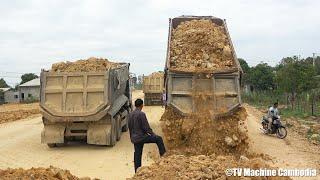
x,y
85,99
201,66
153,87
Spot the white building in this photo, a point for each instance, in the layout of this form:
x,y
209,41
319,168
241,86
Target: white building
x,y
9,96
30,91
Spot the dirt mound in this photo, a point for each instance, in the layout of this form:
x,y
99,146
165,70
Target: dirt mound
x,y
89,65
12,112
157,74
200,134
50,173
200,45
16,115
199,167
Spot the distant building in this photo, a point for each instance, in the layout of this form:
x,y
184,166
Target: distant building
x,y
9,95
30,91
2,90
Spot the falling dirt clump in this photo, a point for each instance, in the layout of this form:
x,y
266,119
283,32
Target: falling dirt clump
x,y
202,146
200,134
200,45
199,167
89,65
51,173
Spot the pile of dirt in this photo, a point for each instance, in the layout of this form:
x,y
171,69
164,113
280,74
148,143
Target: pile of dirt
x,y
157,74
88,65
305,128
200,134
12,112
50,173
200,45
16,115
200,167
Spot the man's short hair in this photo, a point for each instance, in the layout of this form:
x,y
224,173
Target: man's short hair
x,y
138,103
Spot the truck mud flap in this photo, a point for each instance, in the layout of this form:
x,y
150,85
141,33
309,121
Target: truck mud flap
x,y
99,134
53,134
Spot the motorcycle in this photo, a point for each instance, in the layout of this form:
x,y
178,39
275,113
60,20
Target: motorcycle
x,y
276,127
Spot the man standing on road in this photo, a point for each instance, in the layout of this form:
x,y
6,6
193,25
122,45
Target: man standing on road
x,y
141,133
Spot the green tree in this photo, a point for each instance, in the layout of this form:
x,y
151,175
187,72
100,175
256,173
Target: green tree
x,y
316,63
244,65
295,76
245,68
261,77
28,77
3,83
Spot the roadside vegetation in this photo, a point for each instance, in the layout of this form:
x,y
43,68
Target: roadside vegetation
x,y
294,83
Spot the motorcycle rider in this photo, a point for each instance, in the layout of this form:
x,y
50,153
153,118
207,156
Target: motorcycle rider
x,y
273,114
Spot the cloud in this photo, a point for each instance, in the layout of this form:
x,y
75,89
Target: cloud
x,y
34,34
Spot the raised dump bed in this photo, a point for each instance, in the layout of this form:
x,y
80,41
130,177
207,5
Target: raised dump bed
x,y
202,70
91,105
153,87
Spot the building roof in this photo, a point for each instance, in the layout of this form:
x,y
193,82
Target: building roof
x,y
34,82
4,89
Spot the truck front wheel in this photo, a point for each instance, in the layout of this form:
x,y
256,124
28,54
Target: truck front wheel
x,y
52,145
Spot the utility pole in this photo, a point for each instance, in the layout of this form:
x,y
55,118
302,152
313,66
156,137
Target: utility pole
x,y
314,59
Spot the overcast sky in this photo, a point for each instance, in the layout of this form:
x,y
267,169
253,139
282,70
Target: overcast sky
x,y
36,33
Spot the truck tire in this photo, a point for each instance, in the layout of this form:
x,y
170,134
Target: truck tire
x,y
113,134
52,145
126,126
118,121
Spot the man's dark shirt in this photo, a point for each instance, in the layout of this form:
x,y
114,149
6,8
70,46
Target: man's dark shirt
x,y
138,126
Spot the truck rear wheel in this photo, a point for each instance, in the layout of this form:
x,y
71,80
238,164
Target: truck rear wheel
x,y
118,128
113,134
51,145
126,126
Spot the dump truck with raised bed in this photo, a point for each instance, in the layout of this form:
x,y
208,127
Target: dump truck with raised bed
x,y
153,86
201,66
85,102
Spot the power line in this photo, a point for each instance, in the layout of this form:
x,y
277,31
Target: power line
x,y
314,58
16,72
11,77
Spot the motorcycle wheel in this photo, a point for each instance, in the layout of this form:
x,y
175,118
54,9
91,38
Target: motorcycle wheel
x,y
264,128
281,132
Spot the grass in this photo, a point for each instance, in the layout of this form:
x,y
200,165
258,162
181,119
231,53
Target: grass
x,y
265,99
301,112
288,112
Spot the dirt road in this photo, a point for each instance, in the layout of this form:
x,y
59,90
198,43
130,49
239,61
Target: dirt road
x,y
20,147
292,152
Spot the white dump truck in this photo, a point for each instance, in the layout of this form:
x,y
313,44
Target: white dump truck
x,y
87,105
